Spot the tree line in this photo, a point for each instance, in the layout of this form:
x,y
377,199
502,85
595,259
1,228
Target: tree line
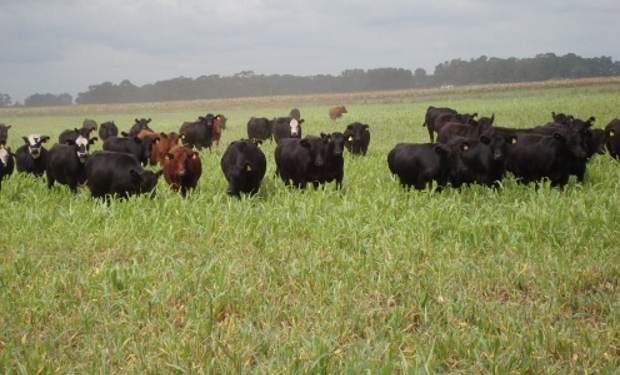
x,y
482,70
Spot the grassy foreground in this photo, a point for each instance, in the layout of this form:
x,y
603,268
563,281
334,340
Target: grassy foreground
x,y
372,279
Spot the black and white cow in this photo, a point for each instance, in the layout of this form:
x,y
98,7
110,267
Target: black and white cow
x,y
65,162
286,127
31,157
7,163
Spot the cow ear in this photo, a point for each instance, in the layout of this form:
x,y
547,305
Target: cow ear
x,y
159,172
168,156
513,139
195,155
125,134
465,146
610,133
248,167
137,140
44,138
258,143
69,142
484,139
76,129
365,126
301,121
182,135
156,140
305,143
26,140
93,140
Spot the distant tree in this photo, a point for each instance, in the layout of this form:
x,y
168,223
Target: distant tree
x,y
48,100
5,100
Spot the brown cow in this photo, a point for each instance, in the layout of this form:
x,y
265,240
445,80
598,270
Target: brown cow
x,y
162,143
217,131
182,169
337,112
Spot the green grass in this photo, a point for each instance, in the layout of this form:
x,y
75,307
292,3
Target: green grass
x,y
372,279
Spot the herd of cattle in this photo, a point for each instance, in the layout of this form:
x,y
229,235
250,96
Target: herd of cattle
x,y
475,151
468,150
119,168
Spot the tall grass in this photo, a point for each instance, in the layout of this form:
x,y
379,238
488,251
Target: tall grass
x,y
370,279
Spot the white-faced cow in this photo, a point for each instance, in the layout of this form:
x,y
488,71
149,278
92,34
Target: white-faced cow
x,y
31,157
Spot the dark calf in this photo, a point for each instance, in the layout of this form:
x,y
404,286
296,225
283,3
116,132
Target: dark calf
x,y
244,166
117,174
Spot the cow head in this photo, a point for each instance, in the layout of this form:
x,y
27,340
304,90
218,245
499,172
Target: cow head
x,y
295,127
4,131
82,146
34,142
145,180
335,144
316,148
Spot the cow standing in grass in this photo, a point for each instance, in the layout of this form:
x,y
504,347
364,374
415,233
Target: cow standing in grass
x,y
244,166
31,158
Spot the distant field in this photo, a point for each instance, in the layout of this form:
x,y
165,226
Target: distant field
x,y
371,279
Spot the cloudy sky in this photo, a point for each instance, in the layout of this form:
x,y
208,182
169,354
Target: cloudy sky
x,y
64,46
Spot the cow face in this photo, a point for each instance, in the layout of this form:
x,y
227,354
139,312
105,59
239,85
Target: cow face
x,y
573,143
4,131
498,143
295,127
82,146
335,143
146,180
316,148
34,142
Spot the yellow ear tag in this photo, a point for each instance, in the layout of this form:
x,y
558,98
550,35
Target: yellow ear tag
x,y
350,138
465,147
611,133
195,156
166,157
514,141
248,168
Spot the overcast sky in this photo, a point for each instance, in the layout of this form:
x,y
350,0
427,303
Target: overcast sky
x,y
64,46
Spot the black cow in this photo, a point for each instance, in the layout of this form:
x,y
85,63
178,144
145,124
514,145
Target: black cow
x,y
537,156
244,166
73,135
431,115
357,138
90,124
295,114
419,164
299,161
4,132
259,129
108,129
612,138
334,159
286,127
118,174
484,158
31,157
7,163
199,133
138,147
65,162
137,127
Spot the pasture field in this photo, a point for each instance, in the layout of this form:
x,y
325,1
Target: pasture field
x,y
371,279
